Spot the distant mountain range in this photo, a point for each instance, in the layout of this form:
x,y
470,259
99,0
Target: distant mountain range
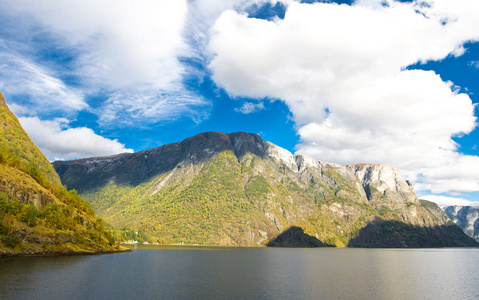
x,y
236,189
37,214
466,217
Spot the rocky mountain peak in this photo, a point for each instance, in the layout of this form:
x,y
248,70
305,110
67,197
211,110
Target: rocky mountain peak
x,y
281,155
466,217
243,143
384,180
204,145
304,161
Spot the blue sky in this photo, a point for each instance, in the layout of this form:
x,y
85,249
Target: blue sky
x,y
342,81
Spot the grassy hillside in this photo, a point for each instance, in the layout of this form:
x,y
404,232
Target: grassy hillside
x,y
37,214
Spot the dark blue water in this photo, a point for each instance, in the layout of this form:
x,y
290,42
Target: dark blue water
x,y
246,273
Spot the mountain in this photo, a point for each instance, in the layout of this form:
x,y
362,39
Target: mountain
x,y
236,189
466,217
37,214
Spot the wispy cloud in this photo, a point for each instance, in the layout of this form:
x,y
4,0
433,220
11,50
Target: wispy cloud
x,y
249,107
117,45
37,86
148,107
474,64
126,52
342,71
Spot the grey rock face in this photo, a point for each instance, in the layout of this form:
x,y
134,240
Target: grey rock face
x,y
382,180
466,217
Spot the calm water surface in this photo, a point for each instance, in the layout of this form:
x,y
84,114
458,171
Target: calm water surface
x,y
155,272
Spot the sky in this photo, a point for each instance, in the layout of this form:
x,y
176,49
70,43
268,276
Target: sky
x,y
365,81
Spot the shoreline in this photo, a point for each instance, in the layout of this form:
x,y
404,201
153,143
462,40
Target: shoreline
x,y
294,247
66,253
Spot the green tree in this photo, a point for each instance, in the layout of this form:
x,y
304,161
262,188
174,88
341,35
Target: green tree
x,y
29,214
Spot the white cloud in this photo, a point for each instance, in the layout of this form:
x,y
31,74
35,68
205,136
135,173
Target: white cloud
x,y
57,141
248,108
341,71
19,109
202,15
474,64
19,76
448,201
127,51
152,107
120,44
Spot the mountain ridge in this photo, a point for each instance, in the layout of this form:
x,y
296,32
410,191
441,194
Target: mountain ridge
x,y
236,189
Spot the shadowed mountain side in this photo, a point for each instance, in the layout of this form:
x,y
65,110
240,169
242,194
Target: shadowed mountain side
x,y
434,209
296,237
396,234
136,168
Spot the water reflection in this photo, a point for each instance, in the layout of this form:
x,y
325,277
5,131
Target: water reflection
x,y
158,272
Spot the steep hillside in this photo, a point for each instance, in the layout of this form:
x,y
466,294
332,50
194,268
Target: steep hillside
x,y
466,217
37,214
236,189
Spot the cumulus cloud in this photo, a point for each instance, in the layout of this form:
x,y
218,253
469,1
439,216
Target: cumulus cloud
x,y
58,141
448,201
342,71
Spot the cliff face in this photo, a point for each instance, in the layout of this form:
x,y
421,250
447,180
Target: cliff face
x,y
236,189
37,214
466,217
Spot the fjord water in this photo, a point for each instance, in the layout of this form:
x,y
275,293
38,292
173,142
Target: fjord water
x,y
159,272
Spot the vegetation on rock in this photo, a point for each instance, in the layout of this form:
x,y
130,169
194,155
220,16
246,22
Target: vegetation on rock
x,y
236,189
38,215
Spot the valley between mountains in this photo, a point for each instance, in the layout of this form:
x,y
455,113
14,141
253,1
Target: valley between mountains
x,y
236,189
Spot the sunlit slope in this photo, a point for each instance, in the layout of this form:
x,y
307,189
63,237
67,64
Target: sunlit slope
x,y
236,189
37,214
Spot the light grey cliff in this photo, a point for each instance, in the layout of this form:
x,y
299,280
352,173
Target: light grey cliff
x,y
466,217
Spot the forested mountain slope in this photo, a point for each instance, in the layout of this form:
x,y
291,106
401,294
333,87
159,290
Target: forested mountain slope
x,y
37,214
236,189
